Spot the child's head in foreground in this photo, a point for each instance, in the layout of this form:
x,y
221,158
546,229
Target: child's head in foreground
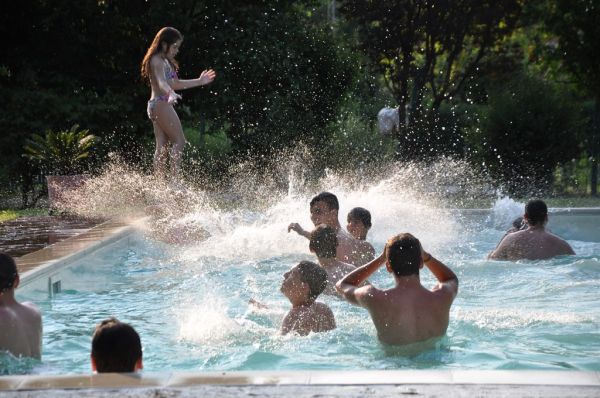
x,y
8,273
116,347
304,283
359,222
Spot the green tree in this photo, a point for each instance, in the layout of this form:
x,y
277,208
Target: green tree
x,y
527,129
575,25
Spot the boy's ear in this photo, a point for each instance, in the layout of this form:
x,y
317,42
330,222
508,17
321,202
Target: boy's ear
x,y
139,365
94,368
388,267
16,282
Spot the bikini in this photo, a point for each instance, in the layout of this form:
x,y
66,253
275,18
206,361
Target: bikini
x,y
170,74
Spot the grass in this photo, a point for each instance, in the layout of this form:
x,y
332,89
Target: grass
x,y
11,214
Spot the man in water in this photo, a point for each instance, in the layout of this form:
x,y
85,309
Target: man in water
x,y
20,323
324,209
408,312
533,243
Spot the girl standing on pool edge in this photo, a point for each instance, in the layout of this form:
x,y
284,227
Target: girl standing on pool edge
x,y
160,68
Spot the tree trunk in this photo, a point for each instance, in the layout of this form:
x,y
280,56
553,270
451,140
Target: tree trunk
x,y
594,147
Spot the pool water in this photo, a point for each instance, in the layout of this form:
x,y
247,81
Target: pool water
x,y
190,303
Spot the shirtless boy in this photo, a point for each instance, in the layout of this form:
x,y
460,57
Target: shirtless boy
x,y
533,243
21,330
408,312
324,209
116,347
302,285
323,243
359,223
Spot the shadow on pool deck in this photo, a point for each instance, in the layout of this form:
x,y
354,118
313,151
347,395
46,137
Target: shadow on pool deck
x,y
28,234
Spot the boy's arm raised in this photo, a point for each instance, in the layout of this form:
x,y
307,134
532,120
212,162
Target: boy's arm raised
x,y
348,286
446,277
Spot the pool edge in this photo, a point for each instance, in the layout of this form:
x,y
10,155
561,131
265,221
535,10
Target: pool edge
x,y
308,378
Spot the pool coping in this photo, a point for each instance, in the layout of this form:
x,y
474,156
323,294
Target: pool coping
x,y
307,378
53,257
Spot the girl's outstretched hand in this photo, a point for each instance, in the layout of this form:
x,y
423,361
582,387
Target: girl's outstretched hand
x,y
207,76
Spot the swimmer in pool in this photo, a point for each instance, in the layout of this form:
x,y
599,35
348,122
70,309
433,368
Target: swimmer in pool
x,y
359,223
408,312
116,347
302,285
533,243
324,209
323,243
20,323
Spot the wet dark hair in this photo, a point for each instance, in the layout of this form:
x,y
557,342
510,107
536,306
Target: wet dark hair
x,y
518,223
327,197
314,276
404,254
116,346
361,214
536,212
323,241
8,272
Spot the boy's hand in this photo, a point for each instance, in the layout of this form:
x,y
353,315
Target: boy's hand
x,y
296,228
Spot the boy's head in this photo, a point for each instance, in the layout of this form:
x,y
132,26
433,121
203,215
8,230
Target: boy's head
x,y
9,276
536,212
116,347
324,209
304,282
359,222
403,255
323,241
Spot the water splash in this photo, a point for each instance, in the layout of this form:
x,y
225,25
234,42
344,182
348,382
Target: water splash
x,y
247,218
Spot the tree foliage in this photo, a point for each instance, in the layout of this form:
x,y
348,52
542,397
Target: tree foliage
x,y
528,128
427,47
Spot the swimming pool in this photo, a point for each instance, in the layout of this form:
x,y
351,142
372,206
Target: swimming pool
x,y
190,304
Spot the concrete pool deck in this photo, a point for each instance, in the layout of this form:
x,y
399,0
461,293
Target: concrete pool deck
x,y
310,384
388,383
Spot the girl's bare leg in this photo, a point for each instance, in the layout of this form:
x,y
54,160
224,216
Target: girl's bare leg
x,y
169,124
161,153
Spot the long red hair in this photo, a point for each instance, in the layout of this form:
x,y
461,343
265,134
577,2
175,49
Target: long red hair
x,y
166,35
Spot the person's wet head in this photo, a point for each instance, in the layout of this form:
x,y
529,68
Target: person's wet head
x,y
9,276
304,283
324,209
359,222
536,213
404,255
116,347
323,241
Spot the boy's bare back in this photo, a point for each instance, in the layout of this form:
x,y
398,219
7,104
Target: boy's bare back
x,y
404,316
315,318
21,331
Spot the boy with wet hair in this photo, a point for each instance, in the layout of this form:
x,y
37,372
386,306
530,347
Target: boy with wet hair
x,y
359,223
533,243
20,323
408,312
324,209
302,285
116,347
323,243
